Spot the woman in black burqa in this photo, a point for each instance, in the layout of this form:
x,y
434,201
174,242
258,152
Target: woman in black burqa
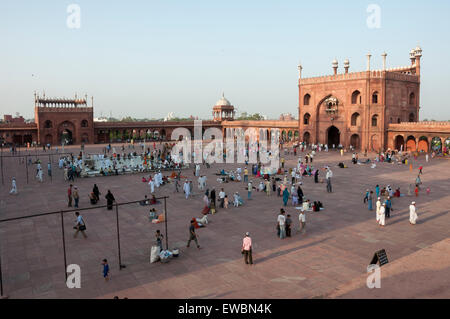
x,y
300,194
96,192
109,200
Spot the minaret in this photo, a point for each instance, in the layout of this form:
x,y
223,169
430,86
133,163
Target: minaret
x,y
418,55
335,65
384,55
412,56
346,65
300,68
368,61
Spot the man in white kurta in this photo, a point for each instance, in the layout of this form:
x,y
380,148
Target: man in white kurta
x,y
160,178
200,183
152,185
186,189
197,170
412,213
13,186
39,175
378,206
382,215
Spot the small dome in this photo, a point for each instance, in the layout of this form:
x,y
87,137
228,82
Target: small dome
x,y
418,51
335,62
346,62
223,101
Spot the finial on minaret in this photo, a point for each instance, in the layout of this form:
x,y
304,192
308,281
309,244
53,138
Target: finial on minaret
x,y
368,61
300,68
92,101
384,55
76,95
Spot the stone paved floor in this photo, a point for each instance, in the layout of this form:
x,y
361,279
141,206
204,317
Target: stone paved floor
x,y
339,243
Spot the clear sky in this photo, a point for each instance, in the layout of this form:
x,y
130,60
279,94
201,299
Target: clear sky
x,y
146,58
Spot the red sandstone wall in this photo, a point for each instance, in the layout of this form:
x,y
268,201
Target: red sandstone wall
x,y
72,116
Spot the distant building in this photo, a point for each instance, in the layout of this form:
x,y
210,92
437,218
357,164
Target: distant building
x,y
10,119
287,117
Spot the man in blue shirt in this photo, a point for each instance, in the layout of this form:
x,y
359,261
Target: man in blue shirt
x,y
388,207
105,269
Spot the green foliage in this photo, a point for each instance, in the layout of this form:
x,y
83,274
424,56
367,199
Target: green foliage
x,y
250,117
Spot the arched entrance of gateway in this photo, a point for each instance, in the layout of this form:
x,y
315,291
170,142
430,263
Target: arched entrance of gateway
x,y
306,137
423,144
411,143
66,133
66,137
333,136
399,142
355,141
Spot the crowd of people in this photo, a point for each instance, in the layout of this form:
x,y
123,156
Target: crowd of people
x,y
284,183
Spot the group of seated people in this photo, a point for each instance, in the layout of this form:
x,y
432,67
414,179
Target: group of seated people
x,y
147,201
316,206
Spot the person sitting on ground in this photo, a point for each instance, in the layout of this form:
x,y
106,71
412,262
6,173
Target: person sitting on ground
x,y
237,200
305,205
261,187
316,206
144,201
152,214
153,200
202,222
196,223
93,198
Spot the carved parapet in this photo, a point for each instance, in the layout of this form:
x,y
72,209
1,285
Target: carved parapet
x,y
42,109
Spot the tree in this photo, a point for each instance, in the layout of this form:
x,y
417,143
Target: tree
x,y
250,117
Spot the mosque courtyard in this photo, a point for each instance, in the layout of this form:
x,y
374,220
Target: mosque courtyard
x,y
329,261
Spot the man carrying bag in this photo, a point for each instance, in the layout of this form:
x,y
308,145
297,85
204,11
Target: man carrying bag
x,y
80,226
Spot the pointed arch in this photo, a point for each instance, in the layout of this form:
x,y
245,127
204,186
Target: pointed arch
x,y
356,97
306,99
375,97
306,118
412,99
356,119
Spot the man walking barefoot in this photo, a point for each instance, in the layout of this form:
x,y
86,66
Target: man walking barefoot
x,y
69,195
247,249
